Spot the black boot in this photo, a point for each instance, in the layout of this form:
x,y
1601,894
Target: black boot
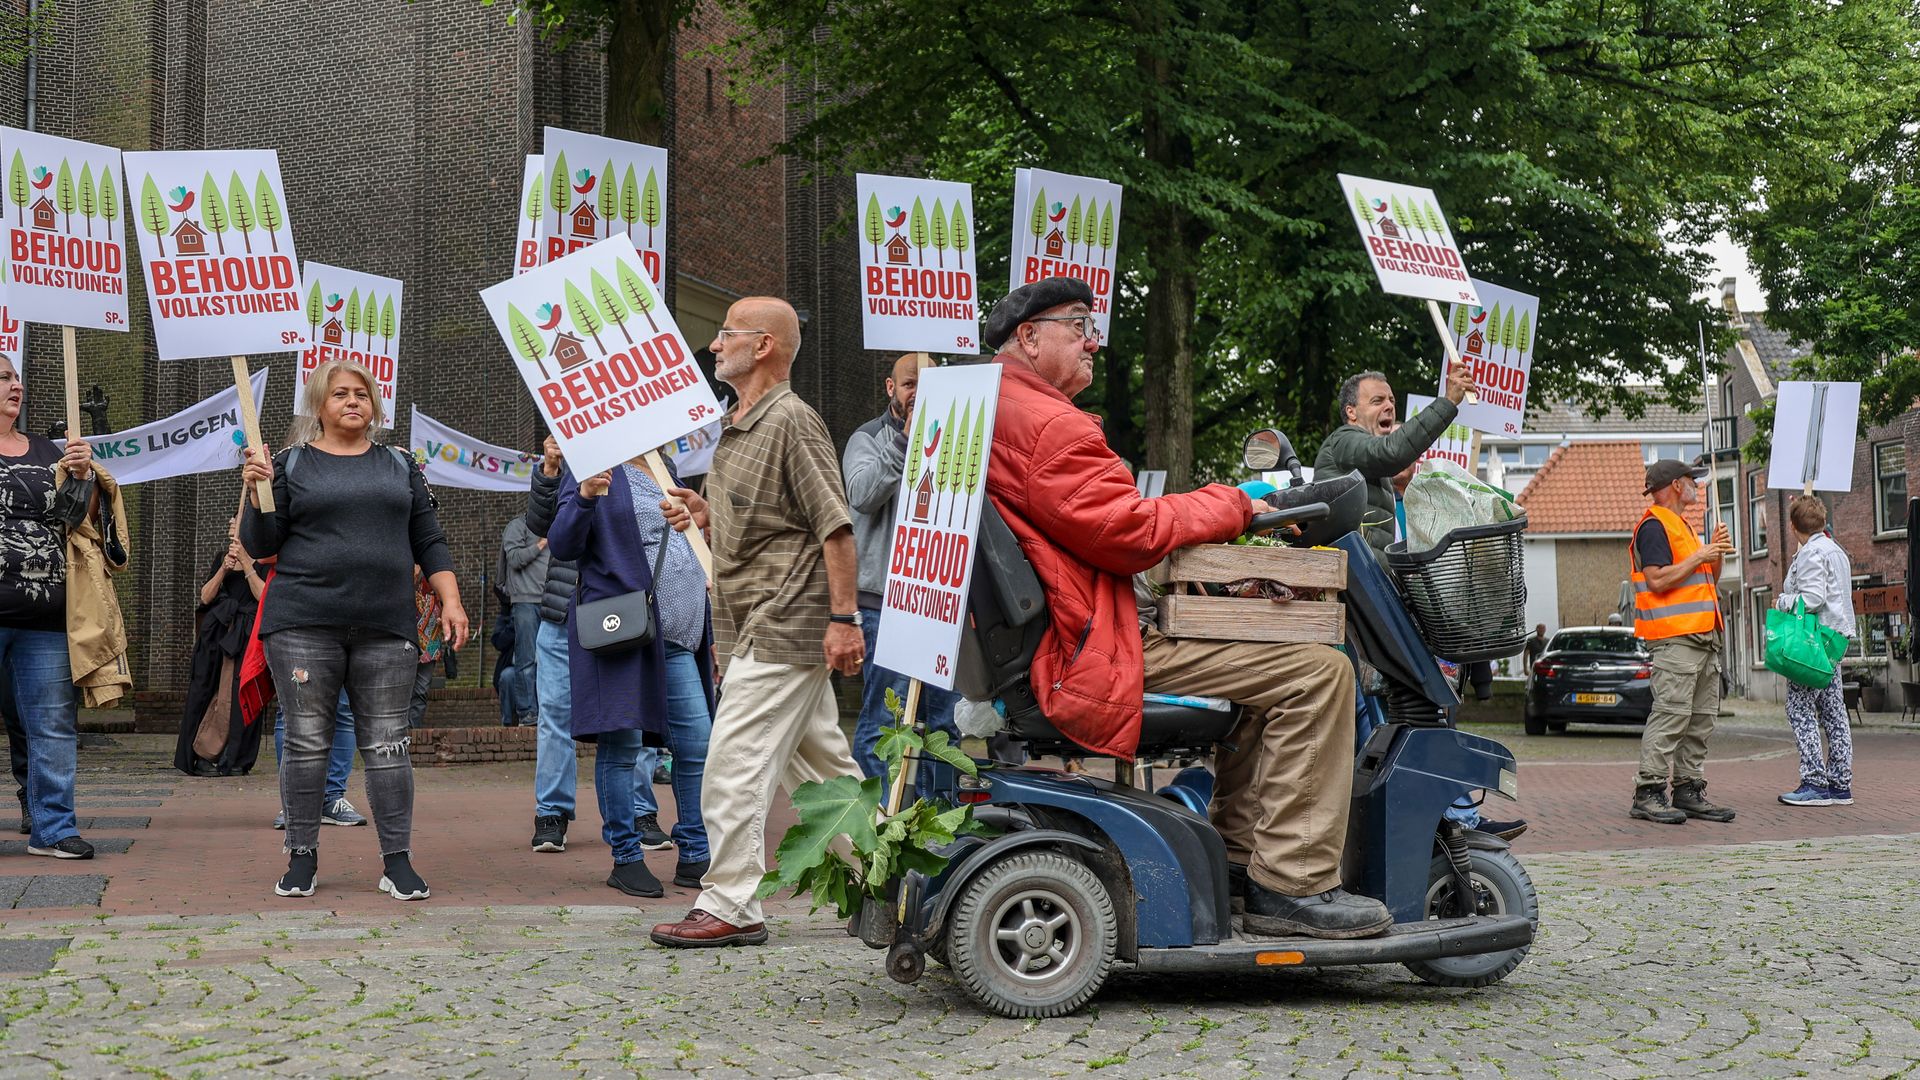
x,y
634,879
1650,804
1335,913
1690,797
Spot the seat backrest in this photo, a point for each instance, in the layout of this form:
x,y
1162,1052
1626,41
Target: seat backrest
x,y
1006,617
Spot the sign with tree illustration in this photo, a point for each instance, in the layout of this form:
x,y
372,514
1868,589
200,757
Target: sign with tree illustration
x,y
216,246
1066,226
66,243
1455,444
601,355
1498,340
354,316
533,210
597,188
917,281
1408,240
13,333
936,521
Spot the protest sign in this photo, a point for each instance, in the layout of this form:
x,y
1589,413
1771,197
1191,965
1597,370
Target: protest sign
x,y
598,187
1408,240
936,520
202,438
1815,427
455,459
1498,340
692,453
66,245
1066,226
13,333
601,355
351,316
913,298
533,209
216,246
1455,444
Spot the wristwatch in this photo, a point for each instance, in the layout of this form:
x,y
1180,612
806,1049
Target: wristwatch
x,y
854,619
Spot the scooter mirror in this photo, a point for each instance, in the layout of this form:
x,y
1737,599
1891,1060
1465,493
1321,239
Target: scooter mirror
x,y
1261,452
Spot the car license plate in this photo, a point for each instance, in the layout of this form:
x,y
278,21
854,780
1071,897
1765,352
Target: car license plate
x,y
1596,699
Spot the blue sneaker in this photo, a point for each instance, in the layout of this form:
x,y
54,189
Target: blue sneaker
x,y
1841,796
1809,795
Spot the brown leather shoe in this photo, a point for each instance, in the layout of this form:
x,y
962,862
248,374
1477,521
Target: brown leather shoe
x,y
705,930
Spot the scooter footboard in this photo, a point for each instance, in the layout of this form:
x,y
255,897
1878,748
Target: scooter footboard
x,y
1404,781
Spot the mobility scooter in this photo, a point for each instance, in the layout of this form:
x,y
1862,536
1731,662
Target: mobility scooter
x,y
1088,877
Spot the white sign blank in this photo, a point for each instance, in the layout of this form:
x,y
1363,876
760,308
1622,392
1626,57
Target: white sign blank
x,y
1838,426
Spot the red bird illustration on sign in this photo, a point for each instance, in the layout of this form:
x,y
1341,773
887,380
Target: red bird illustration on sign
x,y
181,200
42,176
1059,210
585,179
334,301
1479,316
552,312
933,441
895,217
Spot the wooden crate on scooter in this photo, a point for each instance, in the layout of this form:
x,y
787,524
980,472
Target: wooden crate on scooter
x,y
1187,612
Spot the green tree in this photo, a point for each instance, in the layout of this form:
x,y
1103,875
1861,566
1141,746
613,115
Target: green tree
x,y
240,204
1461,320
609,198
559,189
629,200
949,447
585,319
351,316
957,470
1037,220
1361,208
19,188
650,209
388,325
109,199
213,214
153,211
1089,229
1073,228
1435,222
63,197
910,475
938,223
1506,337
975,460
917,229
612,308
1523,339
316,314
266,209
959,235
86,194
1106,232
874,227
635,290
370,319
1400,217
534,205
1492,328
526,339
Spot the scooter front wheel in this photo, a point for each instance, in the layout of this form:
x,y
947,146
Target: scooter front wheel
x,y
1032,935
1501,887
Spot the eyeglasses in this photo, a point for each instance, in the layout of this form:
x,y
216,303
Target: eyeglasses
x,y
1088,329
724,332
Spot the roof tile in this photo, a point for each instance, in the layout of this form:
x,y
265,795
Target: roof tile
x,y
1591,487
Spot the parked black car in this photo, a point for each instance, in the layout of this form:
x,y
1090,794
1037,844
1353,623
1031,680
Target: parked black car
x,y
1589,675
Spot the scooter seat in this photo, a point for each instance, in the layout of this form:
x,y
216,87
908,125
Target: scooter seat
x,y
1164,726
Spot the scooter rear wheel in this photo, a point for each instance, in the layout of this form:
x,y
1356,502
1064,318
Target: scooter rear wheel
x,y
1032,935
1501,887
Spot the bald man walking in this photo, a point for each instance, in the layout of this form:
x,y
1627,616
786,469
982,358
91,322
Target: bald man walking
x,y
784,614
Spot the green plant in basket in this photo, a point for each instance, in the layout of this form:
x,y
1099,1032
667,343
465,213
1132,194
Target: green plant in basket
x,y
806,862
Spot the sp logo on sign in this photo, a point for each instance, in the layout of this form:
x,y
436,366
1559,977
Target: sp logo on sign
x,y
611,624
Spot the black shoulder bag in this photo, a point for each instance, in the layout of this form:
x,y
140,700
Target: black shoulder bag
x,y
621,623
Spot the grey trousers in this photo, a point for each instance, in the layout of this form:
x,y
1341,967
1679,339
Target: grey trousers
x,y
1686,702
310,666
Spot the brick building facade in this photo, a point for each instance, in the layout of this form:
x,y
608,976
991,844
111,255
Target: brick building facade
x,y
401,129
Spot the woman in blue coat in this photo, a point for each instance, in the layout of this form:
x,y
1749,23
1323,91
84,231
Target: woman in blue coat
x,y
662,693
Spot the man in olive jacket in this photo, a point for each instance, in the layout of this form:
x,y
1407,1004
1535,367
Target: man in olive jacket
x,y
1366,440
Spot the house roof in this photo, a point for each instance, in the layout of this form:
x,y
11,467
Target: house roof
x,y
1591,487
1776,348
1570,418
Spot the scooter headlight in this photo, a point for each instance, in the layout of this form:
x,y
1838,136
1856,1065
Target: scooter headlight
x,y
1510,784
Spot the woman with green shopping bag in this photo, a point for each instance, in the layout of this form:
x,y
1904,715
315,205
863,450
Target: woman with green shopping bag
x,y
1820,582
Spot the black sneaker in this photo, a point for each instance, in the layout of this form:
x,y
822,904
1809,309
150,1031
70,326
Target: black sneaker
x,y
71,848
399,880
687,875
302,868
1335,913
651,837
1505,830
635,879
550,833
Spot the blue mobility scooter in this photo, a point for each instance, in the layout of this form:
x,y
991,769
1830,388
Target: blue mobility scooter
x,y
1087,877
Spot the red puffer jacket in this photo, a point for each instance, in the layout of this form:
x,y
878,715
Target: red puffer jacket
x,y
1087,531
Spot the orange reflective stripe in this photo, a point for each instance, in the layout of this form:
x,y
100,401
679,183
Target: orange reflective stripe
x,y
1690,607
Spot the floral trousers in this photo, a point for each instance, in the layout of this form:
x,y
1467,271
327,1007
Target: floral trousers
x,y
1814,714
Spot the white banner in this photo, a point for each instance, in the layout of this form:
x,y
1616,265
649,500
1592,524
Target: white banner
x,y
199,439
455,459
601,355
598,188
1066,226
1455,444
936,520
1498,340
1408,240
1815,429
526,241
692,453
351,316
917,289
64,266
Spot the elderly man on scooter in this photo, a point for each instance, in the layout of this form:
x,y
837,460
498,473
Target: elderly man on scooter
x,y
1285,778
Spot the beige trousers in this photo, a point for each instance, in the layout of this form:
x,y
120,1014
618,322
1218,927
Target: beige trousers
x,y
1281,796
776,724
1686,702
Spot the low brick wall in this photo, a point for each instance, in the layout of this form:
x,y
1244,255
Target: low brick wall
x,y
478,745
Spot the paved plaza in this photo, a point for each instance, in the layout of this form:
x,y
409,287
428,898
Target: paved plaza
x,y
1785,944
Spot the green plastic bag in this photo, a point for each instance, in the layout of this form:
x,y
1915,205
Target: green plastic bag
x,y
1796,648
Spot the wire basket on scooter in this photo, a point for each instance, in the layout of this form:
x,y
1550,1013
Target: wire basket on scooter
x,y
1468,593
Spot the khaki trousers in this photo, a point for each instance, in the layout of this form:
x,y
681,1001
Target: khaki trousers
x,y
1686,701
776,724
1281,795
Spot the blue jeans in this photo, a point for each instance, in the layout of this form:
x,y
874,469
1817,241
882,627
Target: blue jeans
x,y
339,761
555,769
1373,714
506,687
936,705
43,694
526,651
622,768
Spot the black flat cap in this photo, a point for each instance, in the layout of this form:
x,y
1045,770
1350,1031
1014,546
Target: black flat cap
x,y
1664,472
1027,301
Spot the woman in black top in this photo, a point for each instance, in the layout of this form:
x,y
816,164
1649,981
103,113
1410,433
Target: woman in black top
x,y
34,519
216,739
352,519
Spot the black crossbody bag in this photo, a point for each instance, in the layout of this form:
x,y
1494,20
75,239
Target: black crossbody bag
x,y
621,623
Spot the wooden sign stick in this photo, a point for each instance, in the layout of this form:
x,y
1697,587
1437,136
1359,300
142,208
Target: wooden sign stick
x,y
909,764
699,541
72,382
1453,353
250,421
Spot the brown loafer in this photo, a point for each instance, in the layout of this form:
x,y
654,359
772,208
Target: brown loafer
x,y
705,930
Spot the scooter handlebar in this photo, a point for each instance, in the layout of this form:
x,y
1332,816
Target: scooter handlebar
x,y
1293,515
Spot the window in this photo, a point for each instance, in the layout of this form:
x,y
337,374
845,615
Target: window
x,y
1759,603
1600,641
1757,512
1890,488
1728,512
1669,451
1536,453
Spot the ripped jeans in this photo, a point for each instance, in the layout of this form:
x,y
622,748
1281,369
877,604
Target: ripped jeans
x,y
310,666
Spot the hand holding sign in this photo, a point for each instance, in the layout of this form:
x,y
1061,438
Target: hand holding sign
x,y
1459,382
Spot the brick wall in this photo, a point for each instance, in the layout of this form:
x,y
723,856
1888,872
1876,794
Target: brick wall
x,y
1590,572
